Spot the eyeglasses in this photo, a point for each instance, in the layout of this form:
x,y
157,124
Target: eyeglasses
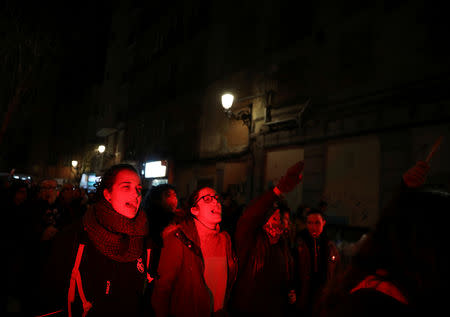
x,y
208,198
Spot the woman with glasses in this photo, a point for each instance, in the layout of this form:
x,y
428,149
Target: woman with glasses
x,y
197,266
264,286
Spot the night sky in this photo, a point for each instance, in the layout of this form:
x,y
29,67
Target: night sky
x,y
51,55
72,36
56,50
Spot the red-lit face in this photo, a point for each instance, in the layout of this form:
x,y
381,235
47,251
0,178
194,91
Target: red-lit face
x,y
315,224
20,196
208,209
170,200
274,226
66,194
125,195
286,219
49,191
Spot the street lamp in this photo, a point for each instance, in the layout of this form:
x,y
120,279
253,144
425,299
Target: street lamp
x,y
246,114
101,148
227,100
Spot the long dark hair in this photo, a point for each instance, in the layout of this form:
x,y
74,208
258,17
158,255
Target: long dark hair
x,y
155,195
410,242
109,177
193,199
159,216
262,242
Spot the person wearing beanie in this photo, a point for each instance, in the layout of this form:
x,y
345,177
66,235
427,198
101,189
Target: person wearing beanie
x,y
98,264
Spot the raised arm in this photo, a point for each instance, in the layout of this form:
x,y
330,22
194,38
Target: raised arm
x,y
257,212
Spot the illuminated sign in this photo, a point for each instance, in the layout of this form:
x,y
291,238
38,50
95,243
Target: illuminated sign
x,y
88,181
155,169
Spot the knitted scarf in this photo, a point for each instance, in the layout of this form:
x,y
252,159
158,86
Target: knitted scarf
x,y
118,237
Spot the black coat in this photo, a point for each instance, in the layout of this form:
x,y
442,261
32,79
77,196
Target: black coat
x,y
309,285
112,287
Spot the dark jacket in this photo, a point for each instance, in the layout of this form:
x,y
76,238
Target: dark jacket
x,y
180,289
262,286
112,287
309,285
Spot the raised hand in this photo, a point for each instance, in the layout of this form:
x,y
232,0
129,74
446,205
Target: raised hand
x,y
292,177
416,175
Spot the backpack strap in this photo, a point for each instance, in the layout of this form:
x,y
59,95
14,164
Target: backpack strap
x,y
149,251
75,280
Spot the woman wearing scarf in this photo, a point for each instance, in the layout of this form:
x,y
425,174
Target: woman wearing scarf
x,y
98,265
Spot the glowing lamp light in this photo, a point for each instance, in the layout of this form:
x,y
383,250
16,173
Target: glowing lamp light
x,y
74,163
227,101
101,148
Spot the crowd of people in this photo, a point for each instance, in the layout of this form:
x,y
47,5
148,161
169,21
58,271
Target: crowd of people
x,y
34,214
126,252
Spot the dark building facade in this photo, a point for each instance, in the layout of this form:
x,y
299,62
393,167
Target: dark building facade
x,y
358,92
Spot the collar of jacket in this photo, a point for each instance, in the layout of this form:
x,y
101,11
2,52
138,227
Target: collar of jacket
x,y
188,235
306,236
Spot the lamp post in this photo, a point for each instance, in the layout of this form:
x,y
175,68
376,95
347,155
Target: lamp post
x,y
91,161
246,116
74,170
